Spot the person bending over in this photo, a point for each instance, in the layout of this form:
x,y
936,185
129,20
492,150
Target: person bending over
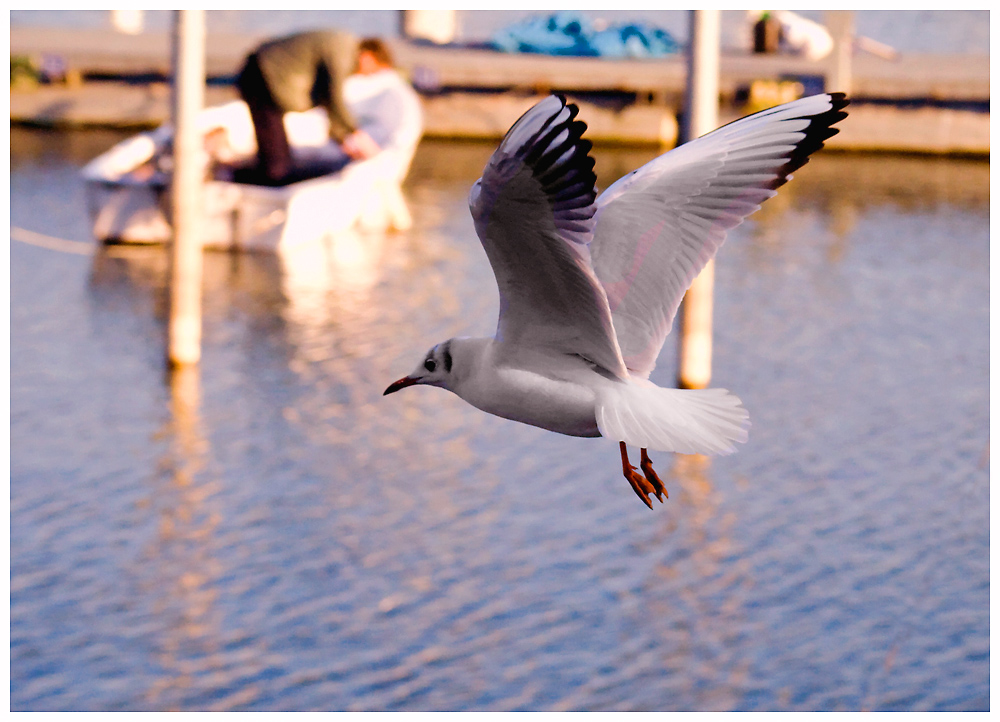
x,y
293,74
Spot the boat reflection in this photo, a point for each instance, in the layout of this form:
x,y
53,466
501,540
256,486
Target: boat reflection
x,y
326,283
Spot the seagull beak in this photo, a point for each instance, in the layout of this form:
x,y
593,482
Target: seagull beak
x,y
401,384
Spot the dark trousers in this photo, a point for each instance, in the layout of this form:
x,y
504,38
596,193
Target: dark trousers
x,y
274,156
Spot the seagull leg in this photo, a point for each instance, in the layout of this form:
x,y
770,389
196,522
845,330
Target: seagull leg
x,y
640,486
647,469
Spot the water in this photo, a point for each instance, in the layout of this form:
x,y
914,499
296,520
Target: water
x,y
909,31
272,533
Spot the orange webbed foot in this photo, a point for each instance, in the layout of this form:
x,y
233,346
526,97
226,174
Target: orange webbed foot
x,y
642,484
646,464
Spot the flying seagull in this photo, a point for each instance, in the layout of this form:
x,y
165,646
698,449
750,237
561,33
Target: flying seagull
x,y
589,284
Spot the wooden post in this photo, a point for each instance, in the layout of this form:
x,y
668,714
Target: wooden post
x,y
701,116
184,324
840,23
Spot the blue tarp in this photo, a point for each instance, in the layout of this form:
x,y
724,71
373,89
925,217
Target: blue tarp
x,y
571,33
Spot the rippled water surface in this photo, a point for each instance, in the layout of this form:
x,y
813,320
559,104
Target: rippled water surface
x,y
269,532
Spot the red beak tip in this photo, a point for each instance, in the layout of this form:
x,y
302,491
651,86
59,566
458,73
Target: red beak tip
x,y
397,385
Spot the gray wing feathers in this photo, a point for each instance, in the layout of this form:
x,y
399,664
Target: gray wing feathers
x,y
533,210
656,228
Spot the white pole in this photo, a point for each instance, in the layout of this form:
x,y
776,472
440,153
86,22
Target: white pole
x,y
840,23
184,325
701,116
129,21
438,26
702,93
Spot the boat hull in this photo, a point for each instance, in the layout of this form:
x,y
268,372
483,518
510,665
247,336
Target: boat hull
x,y
128,190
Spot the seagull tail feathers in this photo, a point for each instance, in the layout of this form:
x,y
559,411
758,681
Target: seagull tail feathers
x,y
705,421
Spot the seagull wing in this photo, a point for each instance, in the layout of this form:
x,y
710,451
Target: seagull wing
x,y
656,228
533,210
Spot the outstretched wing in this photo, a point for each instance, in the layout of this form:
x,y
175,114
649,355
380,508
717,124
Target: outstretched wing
x,y
533,209
657,227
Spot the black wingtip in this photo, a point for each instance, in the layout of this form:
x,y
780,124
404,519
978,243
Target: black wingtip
x,y
548,159
548,139
819,130
839,100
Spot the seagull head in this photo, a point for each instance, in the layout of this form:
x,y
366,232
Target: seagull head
x,y
434,370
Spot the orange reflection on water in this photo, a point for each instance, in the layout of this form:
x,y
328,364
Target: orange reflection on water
x,y
183,571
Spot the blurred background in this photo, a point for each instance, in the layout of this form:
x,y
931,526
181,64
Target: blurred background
x,y
265,531
923,31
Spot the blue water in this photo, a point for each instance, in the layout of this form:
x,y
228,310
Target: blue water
x,y
917,31
270,532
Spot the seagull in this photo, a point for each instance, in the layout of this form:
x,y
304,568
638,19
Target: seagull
x,y
589,285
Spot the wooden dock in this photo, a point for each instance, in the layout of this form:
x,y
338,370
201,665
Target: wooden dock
x,y
924,103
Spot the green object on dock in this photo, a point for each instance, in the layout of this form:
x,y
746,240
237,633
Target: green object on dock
x,y
23,73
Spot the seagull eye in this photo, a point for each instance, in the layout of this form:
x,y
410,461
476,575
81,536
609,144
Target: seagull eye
x,y
430,365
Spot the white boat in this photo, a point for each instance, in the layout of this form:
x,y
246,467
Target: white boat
x,y
127,187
